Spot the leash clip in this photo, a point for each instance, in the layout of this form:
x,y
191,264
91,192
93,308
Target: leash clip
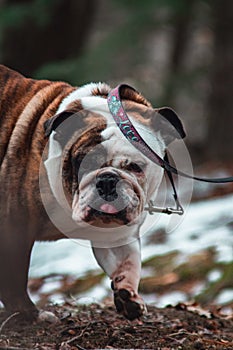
x,y
153,209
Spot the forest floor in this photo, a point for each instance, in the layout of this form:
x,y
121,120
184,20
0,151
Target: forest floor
x,y
98,326
201,276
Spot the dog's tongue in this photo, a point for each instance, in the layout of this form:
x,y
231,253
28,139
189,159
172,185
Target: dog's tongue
x,y
108,208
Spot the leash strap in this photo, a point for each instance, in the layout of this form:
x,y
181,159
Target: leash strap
x,y
122,120
178,210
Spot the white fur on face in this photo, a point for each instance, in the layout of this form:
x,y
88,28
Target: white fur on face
x,y
53,162
118,147
53,167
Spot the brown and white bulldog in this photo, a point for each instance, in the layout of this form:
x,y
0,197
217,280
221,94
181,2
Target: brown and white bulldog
x,y
67,171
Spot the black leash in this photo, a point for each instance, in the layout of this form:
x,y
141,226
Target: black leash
x,y
178,210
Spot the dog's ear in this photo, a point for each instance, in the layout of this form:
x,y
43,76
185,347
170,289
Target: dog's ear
x,y
65,124
168,123
53,122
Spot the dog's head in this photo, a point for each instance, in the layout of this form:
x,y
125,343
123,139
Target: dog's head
x,y
106,181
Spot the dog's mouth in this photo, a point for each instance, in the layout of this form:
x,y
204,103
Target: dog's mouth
x,y
107,214
97,212
110,200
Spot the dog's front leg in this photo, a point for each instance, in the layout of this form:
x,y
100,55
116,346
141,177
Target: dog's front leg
x,y
123,265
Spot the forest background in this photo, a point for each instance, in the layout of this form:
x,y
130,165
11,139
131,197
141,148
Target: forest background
x,y
176,52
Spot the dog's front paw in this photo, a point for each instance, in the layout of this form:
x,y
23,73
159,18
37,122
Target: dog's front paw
x,y
129,304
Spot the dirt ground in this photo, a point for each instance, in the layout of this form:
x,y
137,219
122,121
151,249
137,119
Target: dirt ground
x,y
186,326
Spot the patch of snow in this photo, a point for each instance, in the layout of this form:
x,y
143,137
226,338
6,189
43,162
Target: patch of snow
x,y
57,298
50,286
172,298
207,221
225,296
65,256
214,275
198,288
206,224
94,295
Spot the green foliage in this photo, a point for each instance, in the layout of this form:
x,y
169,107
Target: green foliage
x,y
15,15
119,51
177,5
213,289
121,46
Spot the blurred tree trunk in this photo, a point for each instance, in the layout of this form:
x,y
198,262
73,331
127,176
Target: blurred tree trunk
x,y
180,20
220,127
53,36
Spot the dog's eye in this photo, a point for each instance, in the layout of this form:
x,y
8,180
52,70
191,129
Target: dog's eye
x,y
136,167
89,163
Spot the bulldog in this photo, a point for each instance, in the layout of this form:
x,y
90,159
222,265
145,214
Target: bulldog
x,y
67,171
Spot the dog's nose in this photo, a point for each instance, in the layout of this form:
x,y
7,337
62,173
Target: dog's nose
x,y
106,186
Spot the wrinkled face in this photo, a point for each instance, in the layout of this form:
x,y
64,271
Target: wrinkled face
x,y
112,180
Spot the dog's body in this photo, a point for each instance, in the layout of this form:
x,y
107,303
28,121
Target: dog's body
x,y
89,169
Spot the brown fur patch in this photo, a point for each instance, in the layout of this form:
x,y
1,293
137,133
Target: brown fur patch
x,y
129,94
78,146
25,105
139,112
103,92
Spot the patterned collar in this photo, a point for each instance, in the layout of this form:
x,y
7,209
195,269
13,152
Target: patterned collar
x,y
122,120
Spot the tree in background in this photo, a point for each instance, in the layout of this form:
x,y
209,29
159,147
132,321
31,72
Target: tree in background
x,y
120,40
39,31
220,131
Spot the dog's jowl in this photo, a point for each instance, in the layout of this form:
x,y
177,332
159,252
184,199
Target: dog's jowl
x,y
67,171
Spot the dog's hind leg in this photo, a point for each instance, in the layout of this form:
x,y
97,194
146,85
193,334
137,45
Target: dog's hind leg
x,y
15,250
123,265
